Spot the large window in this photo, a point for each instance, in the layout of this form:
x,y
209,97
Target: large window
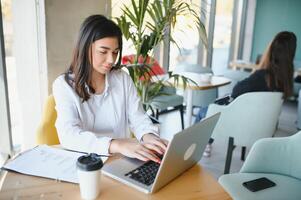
x,y
187,49
222,35
218,18
14,103
117,5
5,77
187,39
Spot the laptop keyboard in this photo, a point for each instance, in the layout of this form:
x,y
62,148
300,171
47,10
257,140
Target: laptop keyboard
x,y
145,174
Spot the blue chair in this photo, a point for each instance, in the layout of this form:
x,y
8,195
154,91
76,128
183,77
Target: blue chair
x,y
169,102
277,159
249,117
297,88
163,103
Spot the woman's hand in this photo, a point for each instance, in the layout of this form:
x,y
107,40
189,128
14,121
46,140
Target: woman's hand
x,y
133,149
155,143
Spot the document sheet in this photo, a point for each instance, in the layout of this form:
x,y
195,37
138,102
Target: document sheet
x,y
48,162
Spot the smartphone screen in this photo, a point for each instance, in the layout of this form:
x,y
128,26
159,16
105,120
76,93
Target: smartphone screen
x,y
259,184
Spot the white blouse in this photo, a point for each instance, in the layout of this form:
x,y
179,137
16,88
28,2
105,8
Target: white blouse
x,y
91,125
104,120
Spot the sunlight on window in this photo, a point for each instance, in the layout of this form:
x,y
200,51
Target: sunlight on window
x,y
117,6
14,104
222,35
187,38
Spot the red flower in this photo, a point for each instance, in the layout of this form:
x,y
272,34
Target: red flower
x,y
156,68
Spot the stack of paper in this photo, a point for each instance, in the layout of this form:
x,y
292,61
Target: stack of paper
x,y
48,162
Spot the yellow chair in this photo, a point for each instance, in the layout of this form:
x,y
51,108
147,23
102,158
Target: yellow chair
x,y
46,133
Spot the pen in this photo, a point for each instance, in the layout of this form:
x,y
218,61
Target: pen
x,y
98,155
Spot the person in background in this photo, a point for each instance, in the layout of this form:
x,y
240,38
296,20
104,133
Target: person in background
x,y
275,73
97,103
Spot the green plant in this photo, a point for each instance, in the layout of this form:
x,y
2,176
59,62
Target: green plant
x,y
146,23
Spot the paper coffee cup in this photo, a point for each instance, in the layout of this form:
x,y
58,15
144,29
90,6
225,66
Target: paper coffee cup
x,y
89,173
206,77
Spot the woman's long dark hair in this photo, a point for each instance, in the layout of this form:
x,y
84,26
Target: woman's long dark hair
x,y
278,60
79,73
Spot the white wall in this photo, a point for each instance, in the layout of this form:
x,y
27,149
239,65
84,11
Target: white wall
x,y
30,74
63,21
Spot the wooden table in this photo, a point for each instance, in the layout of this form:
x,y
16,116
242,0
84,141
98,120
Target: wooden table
x,y
216,81
196,183
240,64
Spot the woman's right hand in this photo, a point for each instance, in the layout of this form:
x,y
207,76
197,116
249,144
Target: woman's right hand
x,y
133,149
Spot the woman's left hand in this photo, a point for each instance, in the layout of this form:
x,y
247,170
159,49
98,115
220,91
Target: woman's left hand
x,y
155,143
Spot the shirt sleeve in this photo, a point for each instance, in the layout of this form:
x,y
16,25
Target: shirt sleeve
x,y
139,122
69,126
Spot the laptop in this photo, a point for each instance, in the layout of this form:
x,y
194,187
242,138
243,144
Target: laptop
x,y
184,150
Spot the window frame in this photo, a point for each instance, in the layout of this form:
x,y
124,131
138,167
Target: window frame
x,y
5,122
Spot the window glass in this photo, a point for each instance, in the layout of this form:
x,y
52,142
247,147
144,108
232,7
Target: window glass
x,y
222,35
187,40
14,104
117,6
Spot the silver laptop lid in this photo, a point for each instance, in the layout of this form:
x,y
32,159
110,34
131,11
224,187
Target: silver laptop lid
x,y
184,150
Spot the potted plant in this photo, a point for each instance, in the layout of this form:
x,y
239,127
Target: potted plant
x,y
146,23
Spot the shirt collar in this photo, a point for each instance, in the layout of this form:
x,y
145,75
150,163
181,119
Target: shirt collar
x,y
107,85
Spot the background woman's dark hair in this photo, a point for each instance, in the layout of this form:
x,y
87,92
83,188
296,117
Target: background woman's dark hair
x,y
93,28
279,62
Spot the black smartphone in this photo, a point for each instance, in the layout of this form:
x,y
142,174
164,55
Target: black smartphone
x,y
258,184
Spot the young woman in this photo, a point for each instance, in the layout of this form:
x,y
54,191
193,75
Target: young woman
x,y
276,68
97,103
275,73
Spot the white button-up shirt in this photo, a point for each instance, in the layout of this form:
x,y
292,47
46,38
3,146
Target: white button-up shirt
x,y
104,120
90,126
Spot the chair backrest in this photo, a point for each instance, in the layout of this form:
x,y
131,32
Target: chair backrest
x,y
275,155
249,117
235,76
47,133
